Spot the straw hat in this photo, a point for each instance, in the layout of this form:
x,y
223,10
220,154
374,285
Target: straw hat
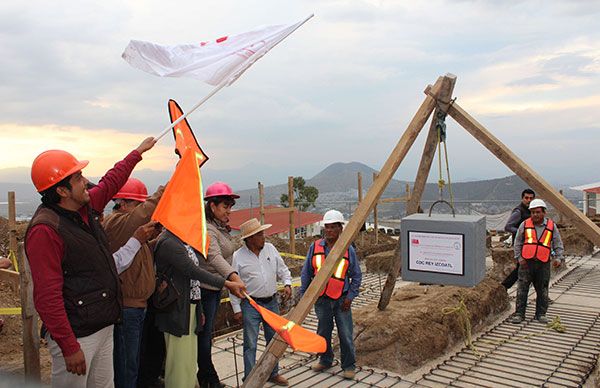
x,y
251,227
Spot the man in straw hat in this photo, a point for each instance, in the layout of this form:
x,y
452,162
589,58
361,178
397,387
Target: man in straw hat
x,y
259,265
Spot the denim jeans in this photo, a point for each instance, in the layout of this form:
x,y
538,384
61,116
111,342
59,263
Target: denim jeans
x,y
538,273
206,369
252,320
152,352
127,336
327,310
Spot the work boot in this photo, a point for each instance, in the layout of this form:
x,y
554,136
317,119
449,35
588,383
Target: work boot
x,y
542,319
517,318
279,380
318,367
349,374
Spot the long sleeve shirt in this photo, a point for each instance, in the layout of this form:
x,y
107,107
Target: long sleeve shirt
x,y
259,273
353,275
45,250
124,255
556,244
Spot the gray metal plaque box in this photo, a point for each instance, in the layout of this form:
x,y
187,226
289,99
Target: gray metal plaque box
x,y
443,249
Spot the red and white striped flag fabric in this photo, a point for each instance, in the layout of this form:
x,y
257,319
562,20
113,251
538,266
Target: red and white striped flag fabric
x,y
215,61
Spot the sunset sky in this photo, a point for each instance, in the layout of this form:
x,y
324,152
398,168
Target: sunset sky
x,y
341,88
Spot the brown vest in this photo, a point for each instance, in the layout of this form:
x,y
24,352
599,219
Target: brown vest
x,y
91,286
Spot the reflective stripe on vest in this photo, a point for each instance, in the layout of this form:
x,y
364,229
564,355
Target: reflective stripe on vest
x,y
335,285
534,248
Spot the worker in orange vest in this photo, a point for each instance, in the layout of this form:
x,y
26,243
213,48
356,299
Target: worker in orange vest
x,y
537,244
336,298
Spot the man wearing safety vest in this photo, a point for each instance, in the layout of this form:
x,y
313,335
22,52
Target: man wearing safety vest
x,y
336,299
537,239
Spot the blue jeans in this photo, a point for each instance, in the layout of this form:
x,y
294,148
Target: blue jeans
x,y
327,310
252,320
206,369
126,355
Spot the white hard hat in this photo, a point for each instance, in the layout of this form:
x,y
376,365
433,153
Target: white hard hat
x,y
537,203
333,216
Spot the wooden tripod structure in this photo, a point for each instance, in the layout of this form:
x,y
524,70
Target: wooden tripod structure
x,y
438,96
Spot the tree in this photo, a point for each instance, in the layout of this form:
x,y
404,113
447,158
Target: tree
x,y
304,196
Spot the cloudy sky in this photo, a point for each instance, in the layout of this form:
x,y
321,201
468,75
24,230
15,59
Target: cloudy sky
x,y
341,88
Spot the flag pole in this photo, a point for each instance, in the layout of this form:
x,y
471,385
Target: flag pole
x,y
221,86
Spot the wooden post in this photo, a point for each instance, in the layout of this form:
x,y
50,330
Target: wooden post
x,y
360,198
263,368
375,218
31,338
414,199
12,223
542,188
291,204
560,215
261,202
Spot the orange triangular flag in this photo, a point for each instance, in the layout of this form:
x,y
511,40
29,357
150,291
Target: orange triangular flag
x,y
295,335
181,208
184,136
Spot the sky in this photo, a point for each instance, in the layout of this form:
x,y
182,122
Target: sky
x,y
341,88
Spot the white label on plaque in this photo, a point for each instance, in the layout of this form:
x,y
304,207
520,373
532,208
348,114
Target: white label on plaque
x,y
436,252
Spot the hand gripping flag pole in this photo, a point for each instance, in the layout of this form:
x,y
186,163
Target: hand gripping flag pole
x,y
218,63
295,335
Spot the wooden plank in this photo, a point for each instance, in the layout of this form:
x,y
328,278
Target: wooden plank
x,y
12,228
542,188
360,198
279,210
261,202
276,347
414,199
395,199
375,215
31,338
292,226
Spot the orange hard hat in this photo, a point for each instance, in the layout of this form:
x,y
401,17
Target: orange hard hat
x,y
52,166
133,189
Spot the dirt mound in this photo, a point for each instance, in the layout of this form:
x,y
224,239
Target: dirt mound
x,y
21,228
504,262
576,243
381,262
413,329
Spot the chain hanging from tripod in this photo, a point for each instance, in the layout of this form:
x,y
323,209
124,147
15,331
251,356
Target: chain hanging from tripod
x,y
441,131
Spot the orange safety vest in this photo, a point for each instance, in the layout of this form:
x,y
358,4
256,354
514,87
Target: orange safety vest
x,y
534,248
335,285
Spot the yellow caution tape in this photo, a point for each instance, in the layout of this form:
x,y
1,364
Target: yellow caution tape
x,y
291,256
13,258
10,311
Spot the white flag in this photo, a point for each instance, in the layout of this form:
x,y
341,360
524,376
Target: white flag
x,y
213,62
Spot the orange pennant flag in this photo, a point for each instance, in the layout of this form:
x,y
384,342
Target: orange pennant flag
x,y
181,207
184,136
295,335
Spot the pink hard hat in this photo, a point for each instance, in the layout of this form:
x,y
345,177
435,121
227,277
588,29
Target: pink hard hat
x,y
220,189
133,189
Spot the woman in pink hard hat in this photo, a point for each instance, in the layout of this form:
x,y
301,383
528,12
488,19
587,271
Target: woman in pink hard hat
x,y
219,198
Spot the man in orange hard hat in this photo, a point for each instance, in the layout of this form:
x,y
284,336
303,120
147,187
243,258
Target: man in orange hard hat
x,y
537,244
133,208
76,287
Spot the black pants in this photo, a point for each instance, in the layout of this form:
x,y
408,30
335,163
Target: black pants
x,y
206,369
152,353
538,273
512,278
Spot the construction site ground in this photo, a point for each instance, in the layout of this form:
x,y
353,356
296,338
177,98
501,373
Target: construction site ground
x,y
503,354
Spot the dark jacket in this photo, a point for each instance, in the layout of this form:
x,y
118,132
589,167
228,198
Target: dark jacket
x,y
172,259
518,215
91,286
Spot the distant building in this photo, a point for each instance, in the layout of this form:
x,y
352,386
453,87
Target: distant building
x,y
591,198
306,224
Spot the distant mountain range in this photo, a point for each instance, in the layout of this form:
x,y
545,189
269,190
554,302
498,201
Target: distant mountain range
x,y
337,185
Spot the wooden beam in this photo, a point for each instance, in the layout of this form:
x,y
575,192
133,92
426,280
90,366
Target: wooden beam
x,y
542,188
261,202
444,98
396,199
279,210
375,215
360,198
31,337
291,204
261,371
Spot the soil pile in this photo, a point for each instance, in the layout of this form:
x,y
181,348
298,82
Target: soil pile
x,y
381,262
576,243
504,262
413,329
